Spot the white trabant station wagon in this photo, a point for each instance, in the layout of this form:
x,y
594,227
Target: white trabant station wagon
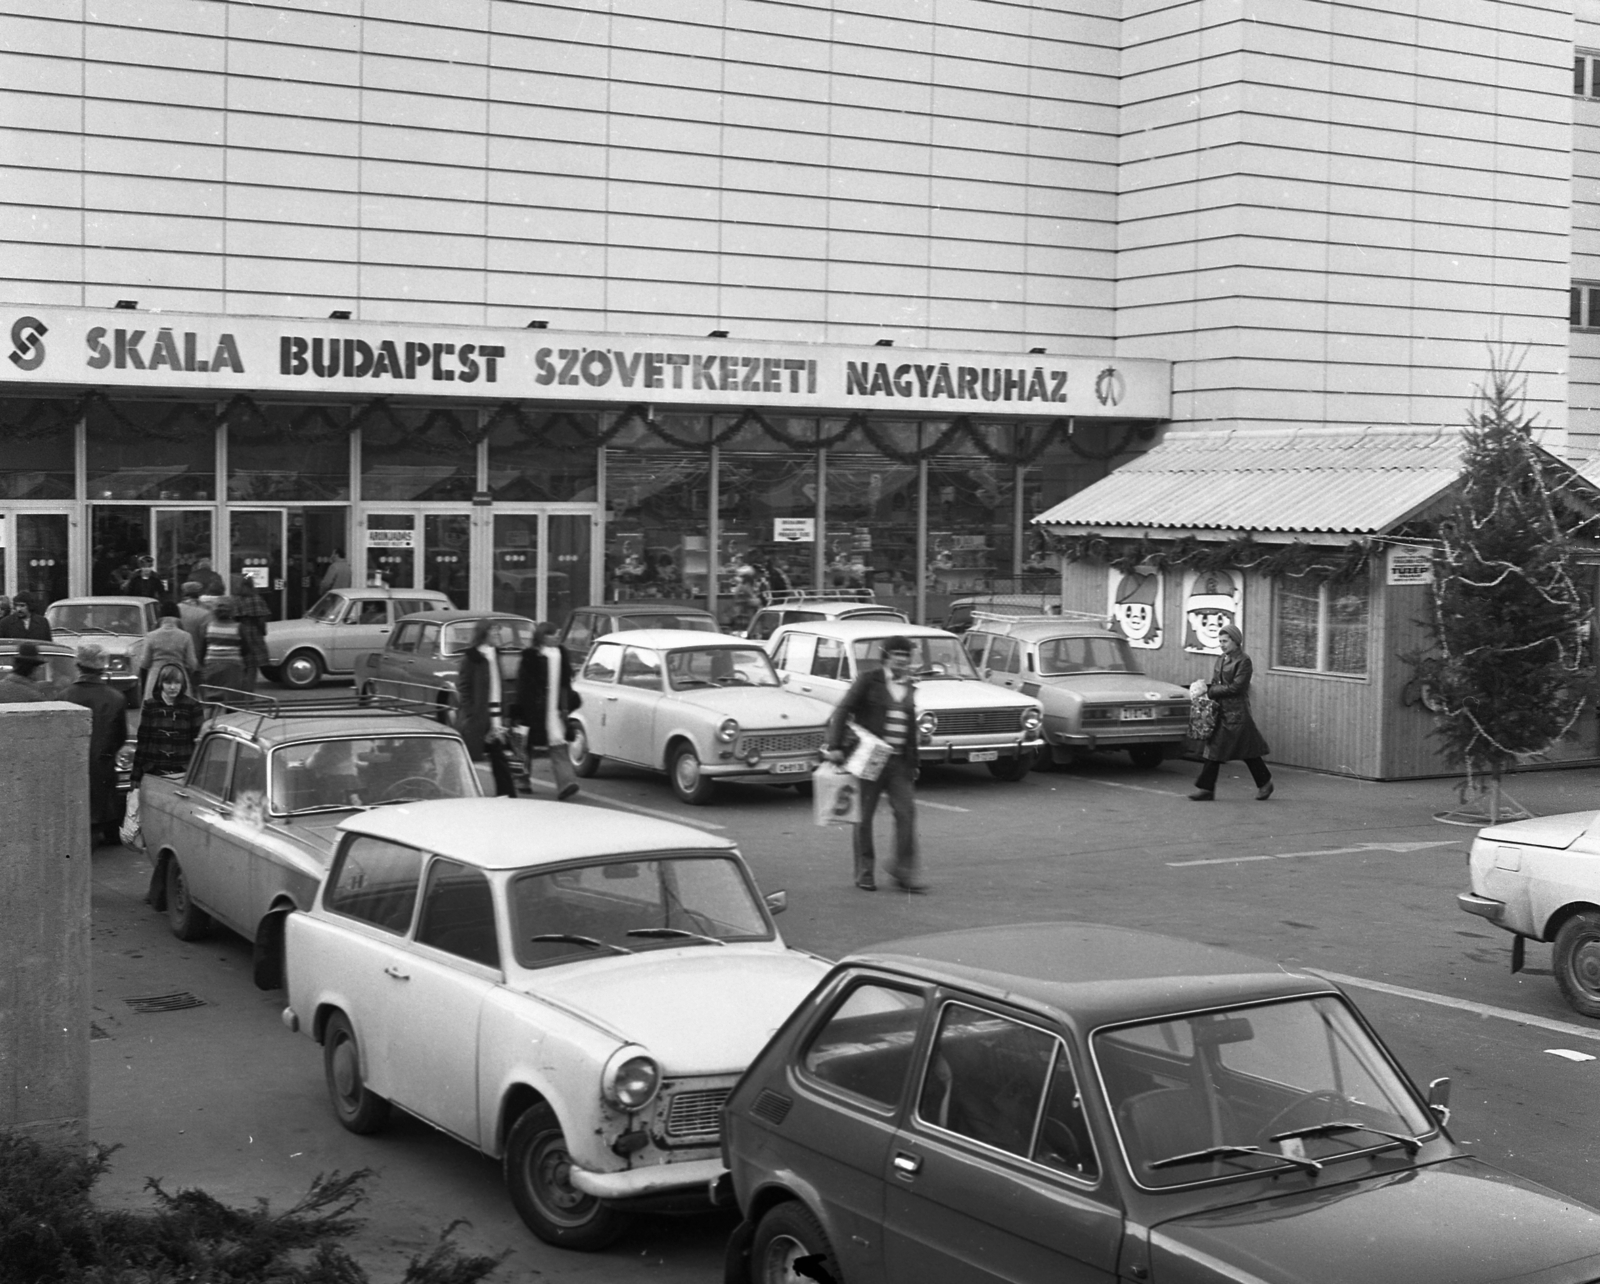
x,y
571,990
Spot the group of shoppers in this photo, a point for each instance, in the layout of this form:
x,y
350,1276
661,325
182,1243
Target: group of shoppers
x,y
544,701
217,640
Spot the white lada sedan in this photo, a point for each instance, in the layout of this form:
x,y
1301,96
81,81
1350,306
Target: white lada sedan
x,y
700,707
570,990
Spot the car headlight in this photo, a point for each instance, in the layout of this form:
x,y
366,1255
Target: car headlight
x,y
1032,719
117,662
631,1079
728,730
928,723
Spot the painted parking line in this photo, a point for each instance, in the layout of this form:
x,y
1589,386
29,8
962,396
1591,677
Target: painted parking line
x,y
1325,851
600,800
924,802
1462,1005
1142,789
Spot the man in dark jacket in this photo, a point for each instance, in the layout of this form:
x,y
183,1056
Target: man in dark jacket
x,y
23,623
144,582
108,732
20,686
880,701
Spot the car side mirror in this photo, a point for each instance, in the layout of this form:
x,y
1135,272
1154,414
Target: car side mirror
x,y
777,902
1439,1099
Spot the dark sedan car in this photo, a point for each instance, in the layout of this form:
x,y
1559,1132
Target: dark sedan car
x,y
1064,1101
423,656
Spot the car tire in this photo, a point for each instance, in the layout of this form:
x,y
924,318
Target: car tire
x,y
786,1235
266,955
271,672
1148,757
1576,962
689,783
357,1107
1012,768
536,1167
366,692
301,670
584,763
186,919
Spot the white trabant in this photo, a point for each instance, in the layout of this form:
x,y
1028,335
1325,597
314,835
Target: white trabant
x,y
1540,880
570,990
700,707
960,717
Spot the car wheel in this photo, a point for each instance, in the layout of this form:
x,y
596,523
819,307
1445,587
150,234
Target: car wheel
x,y
301,670
359,1108
1147,756
790,1246
186,919
1576,961
365,694
537,1170
691,784
271,672
1012,768
266,958
584,763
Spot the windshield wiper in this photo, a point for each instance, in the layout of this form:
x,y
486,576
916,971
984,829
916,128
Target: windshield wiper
x,y
1213,1152
1411,1144
572,938
689,684
62,628
672,931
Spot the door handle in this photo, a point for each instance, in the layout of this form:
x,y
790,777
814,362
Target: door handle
x,y
611,699
180,793
907,1165
396,973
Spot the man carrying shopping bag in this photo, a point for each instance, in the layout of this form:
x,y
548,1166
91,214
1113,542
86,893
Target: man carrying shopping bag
x,y
880,702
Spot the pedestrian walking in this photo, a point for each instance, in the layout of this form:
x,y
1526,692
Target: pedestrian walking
x,y
545,698
144,582
1235,735
338,575
23,623
206,577
195,616
482,715
251,611
169,725
881,701
20,686
224,666
167,643
108,733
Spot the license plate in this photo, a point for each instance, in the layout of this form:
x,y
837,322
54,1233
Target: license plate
x,y
983,755
790,768
1138,712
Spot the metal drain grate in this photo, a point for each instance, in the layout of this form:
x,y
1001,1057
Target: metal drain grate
x,y
165,1002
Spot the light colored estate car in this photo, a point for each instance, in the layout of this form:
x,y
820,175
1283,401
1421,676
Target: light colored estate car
x,y
246,835
342,624
796,607
1094,693
116,623
1540,880
698,706
960,717
570,990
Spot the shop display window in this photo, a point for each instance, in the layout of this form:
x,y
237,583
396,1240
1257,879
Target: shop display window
x,y
152,450
769,508
971,529
36,457
289,454
659,497
419,454
1321,628
544,461
871,536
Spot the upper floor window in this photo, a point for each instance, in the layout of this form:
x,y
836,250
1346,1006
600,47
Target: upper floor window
x,y
1321,628
1583,305
1586,74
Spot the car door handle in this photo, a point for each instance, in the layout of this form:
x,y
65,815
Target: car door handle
x,y
612,699
180,793
396,973
907,1165
805,688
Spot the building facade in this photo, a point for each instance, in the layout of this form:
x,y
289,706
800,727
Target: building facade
x,y
539,303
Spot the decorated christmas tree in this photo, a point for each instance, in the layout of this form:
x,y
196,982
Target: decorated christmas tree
x,y
1507,674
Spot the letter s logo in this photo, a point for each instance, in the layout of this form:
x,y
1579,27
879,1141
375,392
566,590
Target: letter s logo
x,y
27,342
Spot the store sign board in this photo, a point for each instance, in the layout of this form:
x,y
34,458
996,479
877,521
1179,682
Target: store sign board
x,y
219,354
1410,564
391,539
794,530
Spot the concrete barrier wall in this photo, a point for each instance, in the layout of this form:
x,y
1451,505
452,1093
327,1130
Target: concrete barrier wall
x,y
44,920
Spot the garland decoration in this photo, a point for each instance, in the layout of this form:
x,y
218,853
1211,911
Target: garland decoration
x,y
1298,560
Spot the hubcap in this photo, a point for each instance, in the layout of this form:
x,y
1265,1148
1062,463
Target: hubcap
x,y
782,1253
552,1179
179,894
578,747
345,1074
1586,964
301,670
688,772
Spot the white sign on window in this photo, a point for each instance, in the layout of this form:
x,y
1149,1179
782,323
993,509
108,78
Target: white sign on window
x,y
1410,564
392,539
794,530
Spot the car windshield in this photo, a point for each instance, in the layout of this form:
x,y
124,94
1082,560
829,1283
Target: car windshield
x,y
623,906
503,634
931,657
1059,656
720,666
325,775
326,609
97,617
1219,1095
694,623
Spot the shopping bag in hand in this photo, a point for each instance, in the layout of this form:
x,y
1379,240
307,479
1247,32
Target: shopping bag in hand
x,y
835,796
869,756
130,833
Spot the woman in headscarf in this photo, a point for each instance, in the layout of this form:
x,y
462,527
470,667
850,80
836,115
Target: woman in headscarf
x,y
251,611
224,648
1235,735
482,717
544,699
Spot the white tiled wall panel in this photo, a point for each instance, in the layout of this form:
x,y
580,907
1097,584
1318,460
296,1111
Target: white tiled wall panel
x,y
1584,375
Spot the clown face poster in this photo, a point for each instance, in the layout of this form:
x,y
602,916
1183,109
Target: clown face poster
x,y
1136,606
1211,599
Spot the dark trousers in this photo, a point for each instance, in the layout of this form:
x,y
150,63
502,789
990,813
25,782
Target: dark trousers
x,y
1208,773
500,764
896,782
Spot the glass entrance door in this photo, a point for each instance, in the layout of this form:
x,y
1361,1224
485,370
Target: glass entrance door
x,y
391,550
543,562
447,555
35,555
256,541
571,564
422,548
181,537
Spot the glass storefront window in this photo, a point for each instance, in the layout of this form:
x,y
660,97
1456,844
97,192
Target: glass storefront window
x,y
871,538
971,529
36,449
659,497
42,543
318,545
763,496
418,454
119,535
152,450
270,459
523,466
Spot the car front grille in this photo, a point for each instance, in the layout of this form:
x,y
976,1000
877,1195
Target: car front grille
x,y
768,743
977,722
695,1114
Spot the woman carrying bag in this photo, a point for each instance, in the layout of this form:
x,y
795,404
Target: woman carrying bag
x,y
481,717
1234,734
544,700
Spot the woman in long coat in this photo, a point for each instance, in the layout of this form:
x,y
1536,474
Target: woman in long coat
x,y
1235,735
544,699
483,716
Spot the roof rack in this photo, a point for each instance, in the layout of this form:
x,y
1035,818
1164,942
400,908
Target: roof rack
x,y
220,700
1034,617
786,597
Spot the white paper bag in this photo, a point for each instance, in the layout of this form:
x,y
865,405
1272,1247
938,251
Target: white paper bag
x,y
130,833
835,796
867,759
